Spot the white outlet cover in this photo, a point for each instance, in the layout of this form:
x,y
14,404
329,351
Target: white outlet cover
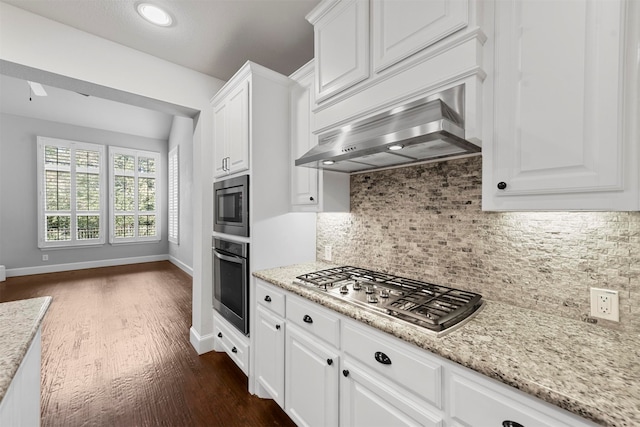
x,y
608,310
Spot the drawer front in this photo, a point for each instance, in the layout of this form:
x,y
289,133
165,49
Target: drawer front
x,y
232,344
314,319
395,360
268,296
472,404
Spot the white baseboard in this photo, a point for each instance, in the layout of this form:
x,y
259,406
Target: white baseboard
x,y
181,265
3,273
12,272
201,344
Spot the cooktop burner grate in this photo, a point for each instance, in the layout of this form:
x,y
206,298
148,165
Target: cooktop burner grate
x,y
432,306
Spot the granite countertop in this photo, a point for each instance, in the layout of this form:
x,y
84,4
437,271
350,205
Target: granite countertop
x,y
586,369
19,323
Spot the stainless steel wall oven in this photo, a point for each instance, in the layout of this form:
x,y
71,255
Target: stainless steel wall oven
x,y
231,282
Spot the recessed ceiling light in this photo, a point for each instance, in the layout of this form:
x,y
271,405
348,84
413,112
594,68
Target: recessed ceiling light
x,y
396,147
328,162
154,14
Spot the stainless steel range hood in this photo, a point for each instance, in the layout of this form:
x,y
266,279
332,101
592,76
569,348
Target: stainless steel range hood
x,y
429,128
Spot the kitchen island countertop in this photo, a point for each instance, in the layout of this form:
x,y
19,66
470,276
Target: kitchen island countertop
x,y
583,368
19,323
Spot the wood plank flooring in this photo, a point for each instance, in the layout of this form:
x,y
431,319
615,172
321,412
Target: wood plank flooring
x,y
116,352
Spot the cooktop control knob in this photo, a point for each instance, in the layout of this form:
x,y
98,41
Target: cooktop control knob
x,y
369,289
384,293
357,286
344,289
372,299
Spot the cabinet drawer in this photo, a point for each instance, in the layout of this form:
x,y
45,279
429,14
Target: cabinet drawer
x,y
406,366
314,319
232,343
269,297
480,402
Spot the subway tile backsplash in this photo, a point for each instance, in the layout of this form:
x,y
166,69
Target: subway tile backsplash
x,y
426,222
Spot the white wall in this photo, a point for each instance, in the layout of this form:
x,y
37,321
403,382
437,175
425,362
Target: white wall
x,y
40,43
18,170
181,136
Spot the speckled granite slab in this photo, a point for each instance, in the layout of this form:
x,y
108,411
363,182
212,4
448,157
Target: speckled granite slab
x,y
588,370
19,323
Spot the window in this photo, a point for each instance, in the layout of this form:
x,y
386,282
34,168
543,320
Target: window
x,y
174,196
71,187
134,195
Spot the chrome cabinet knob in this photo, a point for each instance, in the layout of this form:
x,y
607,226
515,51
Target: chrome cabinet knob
x,y
502,185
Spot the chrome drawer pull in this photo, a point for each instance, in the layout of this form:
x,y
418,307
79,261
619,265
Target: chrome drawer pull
x,y
219,334
511,424
267,298
383,358
234,350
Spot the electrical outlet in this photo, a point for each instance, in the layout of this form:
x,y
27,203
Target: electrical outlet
x,y
605,304
45,257
327,252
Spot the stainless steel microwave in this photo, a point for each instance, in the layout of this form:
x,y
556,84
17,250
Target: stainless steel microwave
x,y
231,206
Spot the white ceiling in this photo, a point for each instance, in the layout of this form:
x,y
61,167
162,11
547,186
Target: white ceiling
x,y
214,37
64,106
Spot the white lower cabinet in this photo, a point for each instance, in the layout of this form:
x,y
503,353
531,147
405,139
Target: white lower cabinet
x,y
20,405
478,401
228,339
368,400
269,351
311,380
341,372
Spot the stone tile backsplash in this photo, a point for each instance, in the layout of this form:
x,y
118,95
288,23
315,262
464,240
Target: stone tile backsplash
x,y
426,222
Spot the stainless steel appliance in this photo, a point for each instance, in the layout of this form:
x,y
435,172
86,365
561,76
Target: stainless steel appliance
x,y
437,308
428,128
231,282
231,206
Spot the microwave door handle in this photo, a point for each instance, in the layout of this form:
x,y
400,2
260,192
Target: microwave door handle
x,y
236,259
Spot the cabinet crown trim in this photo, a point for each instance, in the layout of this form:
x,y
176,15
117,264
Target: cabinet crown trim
x,y
320,10
248,69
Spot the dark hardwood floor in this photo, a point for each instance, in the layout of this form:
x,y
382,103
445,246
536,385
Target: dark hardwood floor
x,y
116,352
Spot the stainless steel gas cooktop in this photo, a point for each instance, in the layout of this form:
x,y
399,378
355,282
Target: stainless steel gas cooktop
x,y
437,308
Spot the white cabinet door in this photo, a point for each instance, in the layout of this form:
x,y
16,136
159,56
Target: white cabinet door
x,y
304,181
269,353
558,104
370,401
404,27
238,129
219,139
341,47
231,132
311,380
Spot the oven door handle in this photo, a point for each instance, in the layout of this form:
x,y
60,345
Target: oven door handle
x,y
236,259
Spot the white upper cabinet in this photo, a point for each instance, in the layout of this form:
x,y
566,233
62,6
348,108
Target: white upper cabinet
x,y
312,190
565,107
411,49
341,46
304,181
231,131
402,28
